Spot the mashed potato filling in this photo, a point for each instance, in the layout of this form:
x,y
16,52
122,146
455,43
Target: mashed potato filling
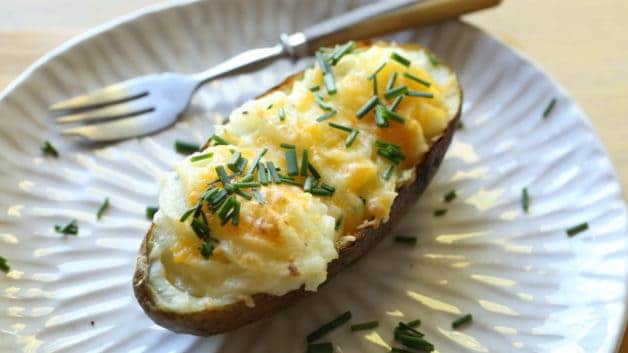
x,y
287,240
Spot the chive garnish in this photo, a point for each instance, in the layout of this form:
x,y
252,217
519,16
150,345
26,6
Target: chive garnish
x,y
150,211
326,116
291,162
341,51
185,147
450,196
219,140
226,208
313,170
200,157
235,215
328,77
258,196
321,102
377,70
328,327
365,326
549,108
325,347
273,172
416,79
201,229
577,229
103,207
412,93
388,114
217,199
391,81
47,149
282,113
68,229
270,106
462,321
304,162
380,118
320,191
328,187
440,212
222,175
400,59
390,151
290,181
255,162
375,93
525,200
388,172
412,338
4,266
329,84
315,88
287,145
262,174
370,104
245,184
352,135
414,323
338,222
433,60
405,240
397,91
187,214
234,161
309,182
395,103
206,249
460,125
340,127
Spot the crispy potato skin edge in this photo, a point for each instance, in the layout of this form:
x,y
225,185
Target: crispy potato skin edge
x,y
229,317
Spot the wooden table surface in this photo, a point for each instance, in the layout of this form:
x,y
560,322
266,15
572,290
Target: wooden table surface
x,y
582,43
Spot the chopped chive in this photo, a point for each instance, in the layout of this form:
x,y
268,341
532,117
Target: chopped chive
x,y
388,114
226,208
391,81
349,140
290,181
313,170
338,222
200,157
287,145
450,196
321,102
399,350
397,91
206,249
245,112
328,77
400,59
525,200
384,144
341,51
150,211
322,62
282,113
320,191
329,84
549,108
395,103
235,215
273,172
407,329
103,207
341,127
388,173
187,214
414,323
377,70
47,149
375,93
433,60
405,240
243,193
416,79
370,104
309,182
258,196
186,147
390,151
460,125
292,167
328,187
416,342
234,161
217,199
315,88
244,184
246,179
577,229
270,106
325,347
440,212
222,175
262,174
462,321
328,327
365,326
219,140
201,229
4,266
255,162
380,118
304,162
412,93
68,229
326,116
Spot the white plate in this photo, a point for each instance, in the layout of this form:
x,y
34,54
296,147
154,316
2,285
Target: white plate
x,y
529,286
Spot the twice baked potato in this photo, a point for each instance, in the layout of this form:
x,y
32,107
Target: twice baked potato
x,y
301,182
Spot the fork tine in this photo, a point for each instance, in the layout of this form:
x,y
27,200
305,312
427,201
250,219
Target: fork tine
x,y
118,92
107,112
122,128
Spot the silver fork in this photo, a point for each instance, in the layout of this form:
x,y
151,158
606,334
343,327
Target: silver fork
x,y
147,104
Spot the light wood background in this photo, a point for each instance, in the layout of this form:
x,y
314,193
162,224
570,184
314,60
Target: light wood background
x,y
581,43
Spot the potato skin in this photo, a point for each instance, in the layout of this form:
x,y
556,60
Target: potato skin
x,y
229,317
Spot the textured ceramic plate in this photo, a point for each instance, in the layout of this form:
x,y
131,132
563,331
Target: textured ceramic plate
x,y
529,286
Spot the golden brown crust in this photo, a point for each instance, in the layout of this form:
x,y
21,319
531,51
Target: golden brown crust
x,y
232,316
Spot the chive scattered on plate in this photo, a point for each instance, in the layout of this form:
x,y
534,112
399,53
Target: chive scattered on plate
x,y
525,200
416,79
103,207
328,327
577,229
150,211
47,149
549,108
405,240
184,147
468,318
324,347
219,140
440,212
4,265
433,60
365,326
282,113
68,229
460,125
450,196
200,157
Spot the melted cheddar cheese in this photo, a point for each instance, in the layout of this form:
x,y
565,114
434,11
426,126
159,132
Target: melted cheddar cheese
x,y
288,241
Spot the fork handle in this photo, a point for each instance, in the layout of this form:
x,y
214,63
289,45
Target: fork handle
x,y
385,17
